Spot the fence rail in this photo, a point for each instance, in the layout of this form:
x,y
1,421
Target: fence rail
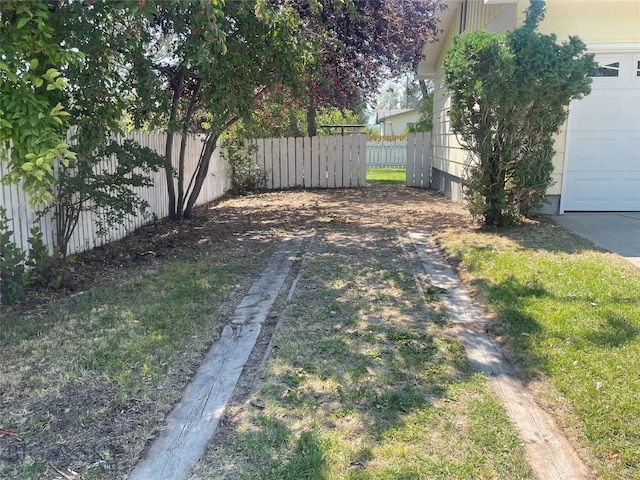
x,y
85,236
312,162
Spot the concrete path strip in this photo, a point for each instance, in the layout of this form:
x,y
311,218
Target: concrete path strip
x,y
193,421
550,454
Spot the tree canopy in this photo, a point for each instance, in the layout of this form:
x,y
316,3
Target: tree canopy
x,y
186,67
362,43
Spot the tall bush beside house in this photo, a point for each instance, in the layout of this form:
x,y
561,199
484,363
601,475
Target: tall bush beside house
x,y
509,96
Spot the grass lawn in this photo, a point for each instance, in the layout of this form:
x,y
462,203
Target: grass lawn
x,y
86,380
365,383
386,175
570,316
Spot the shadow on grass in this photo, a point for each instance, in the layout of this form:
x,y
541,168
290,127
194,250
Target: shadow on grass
x,y
520,304
358,357
544,234
615,331
307,459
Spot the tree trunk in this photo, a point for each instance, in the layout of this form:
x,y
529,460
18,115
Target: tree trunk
x,y
183,147
312,130
495,197
168,152
201,173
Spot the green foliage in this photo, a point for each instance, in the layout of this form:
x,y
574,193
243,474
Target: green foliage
x,y
425,122
102,183
11,263
280,114
509,96
245,176
223,57
335,116
19,270
44,270
33,122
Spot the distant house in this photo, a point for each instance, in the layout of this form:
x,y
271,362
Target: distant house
x,y
395,121
597,165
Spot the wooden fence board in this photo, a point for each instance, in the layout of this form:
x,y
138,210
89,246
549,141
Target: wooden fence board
x,y
299,162
324,152
317,162
362,161
331,162
85,236
339,162
275,158
306,149
418,160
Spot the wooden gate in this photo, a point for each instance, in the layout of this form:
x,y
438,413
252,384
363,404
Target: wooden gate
x,y
386,153
312,162
419,160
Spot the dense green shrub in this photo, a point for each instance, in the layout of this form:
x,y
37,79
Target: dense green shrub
x,y
509,96
244,174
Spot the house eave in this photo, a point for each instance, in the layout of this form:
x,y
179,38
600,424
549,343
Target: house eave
x,y
431,51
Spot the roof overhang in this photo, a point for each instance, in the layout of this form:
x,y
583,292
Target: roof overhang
x,y
432,50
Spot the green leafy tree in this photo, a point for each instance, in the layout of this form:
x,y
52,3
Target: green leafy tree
x,y
212,60
425,108
33,121
103,57
107,191
509,96
361,43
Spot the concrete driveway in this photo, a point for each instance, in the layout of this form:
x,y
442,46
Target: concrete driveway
x,y
618,232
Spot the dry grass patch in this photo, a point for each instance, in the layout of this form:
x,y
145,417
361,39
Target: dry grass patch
x,y
363,384
88,375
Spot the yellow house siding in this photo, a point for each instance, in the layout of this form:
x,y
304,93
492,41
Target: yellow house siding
x,y
558,161
585,19
480,15
447,154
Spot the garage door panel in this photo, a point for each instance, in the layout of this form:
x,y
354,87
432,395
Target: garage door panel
x,y
603,144
605,109
630,193
587,193
604,151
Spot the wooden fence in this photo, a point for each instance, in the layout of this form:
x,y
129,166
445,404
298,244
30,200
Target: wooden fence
x,y
85,236
387,153
312,162
419,160
309,162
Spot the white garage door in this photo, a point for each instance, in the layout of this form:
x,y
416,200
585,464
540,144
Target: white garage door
x,y
603,169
